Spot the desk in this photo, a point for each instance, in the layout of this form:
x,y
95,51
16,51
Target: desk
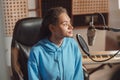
x,y
92,66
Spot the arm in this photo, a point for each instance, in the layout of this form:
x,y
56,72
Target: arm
x,y
33,73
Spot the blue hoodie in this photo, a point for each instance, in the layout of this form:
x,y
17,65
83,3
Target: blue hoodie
x,y
47,61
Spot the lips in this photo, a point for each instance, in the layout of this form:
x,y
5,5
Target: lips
x,y
70,32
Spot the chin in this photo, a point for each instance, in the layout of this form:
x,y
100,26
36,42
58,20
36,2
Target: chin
x,y
69,36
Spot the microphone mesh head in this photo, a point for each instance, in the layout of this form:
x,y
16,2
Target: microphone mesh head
x,y
91,36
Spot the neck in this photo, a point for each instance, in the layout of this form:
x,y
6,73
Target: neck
x,y
57,41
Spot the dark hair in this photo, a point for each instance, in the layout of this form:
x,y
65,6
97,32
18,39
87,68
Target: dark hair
x,y
51,17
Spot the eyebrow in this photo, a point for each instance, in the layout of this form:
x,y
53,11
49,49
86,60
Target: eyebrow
x,y
65,22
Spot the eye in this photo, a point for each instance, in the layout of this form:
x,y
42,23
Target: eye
x,y
65,24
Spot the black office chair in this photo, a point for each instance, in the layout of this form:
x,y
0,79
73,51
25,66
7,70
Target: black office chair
x,y
26,33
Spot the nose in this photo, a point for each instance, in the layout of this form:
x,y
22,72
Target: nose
x,y
70,26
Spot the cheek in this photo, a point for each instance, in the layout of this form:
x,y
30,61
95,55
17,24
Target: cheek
x,y
61,30
57,31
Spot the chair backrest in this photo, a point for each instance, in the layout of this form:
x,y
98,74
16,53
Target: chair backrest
x,y
26,33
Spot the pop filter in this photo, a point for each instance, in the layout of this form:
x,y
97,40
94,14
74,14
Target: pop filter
x,y
82,44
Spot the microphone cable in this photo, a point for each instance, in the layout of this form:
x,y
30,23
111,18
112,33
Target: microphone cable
x,y
104,59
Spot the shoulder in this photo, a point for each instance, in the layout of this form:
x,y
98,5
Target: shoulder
x,y
75,47
71,40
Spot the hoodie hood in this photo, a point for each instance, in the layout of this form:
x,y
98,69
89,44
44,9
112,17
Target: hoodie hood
x,y
49,46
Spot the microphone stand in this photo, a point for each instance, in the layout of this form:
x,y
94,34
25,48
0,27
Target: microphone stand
x,y
107,28
92,26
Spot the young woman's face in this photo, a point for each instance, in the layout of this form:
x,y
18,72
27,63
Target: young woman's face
x,y
64,27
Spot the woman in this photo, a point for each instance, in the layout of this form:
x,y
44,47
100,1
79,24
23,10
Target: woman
x,y
56,56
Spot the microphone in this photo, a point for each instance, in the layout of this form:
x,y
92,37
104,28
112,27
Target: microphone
x,y
91,33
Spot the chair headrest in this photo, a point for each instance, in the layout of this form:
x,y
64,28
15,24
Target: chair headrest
x,y
27,30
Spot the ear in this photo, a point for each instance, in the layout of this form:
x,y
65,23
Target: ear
x,y
51,28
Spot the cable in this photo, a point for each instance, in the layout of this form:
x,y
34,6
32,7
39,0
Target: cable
x,y
105,59
103,18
